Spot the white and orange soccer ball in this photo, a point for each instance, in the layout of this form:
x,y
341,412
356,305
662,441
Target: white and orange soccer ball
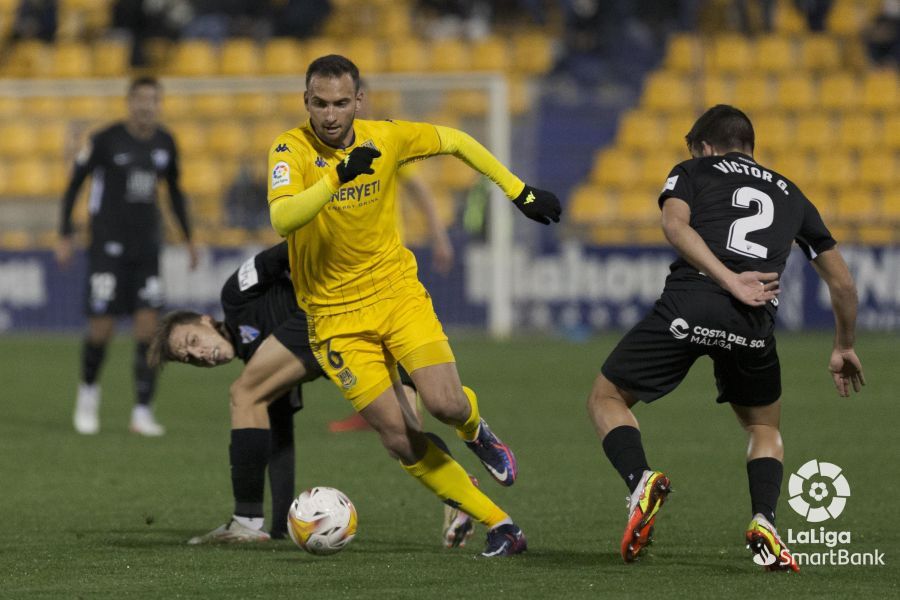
x,y
322,520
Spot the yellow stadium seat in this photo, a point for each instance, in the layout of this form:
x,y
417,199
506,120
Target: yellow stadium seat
x,y
385,103
835,169
819,52
407,55
813,131
856,205
193,58
191,137
290,105
875,234
677,127
839,91
30,177
879,90
684,53
848,18
28,59
890,206
240,57
754,93
787,19
51,138
858,130
532,52
322,46
656,166
614,167
774,131
668,92
87,107
877,168
490,54
17,239
891,131
110,58
212,106
177,106
650,234
638,208
731,53
366,53
264,133
284,56
17,138
71,59
796,92
719,89
394,23
10,106
201,177
775,54
795,166
254,104
448,55
591,205
228,138
468,102
640,129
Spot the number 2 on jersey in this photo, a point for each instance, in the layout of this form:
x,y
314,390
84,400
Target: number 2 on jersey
x,y
737,234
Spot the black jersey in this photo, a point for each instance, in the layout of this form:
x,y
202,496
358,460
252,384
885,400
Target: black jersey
x,y
123,204
258,298
747,214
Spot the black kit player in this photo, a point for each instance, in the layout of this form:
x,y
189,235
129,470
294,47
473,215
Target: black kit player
x,y
264,328
125,161
733,223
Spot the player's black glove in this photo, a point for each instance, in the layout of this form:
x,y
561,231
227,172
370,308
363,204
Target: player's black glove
x,y
356,163
538,205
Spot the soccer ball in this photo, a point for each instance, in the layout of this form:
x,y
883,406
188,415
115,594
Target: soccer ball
x,y
322,520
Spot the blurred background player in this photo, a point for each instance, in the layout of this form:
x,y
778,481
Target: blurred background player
x,y
733,223
415,189
261,313
125,161
358,284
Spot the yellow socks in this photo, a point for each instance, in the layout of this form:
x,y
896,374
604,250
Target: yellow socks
x,y
469,430
449,481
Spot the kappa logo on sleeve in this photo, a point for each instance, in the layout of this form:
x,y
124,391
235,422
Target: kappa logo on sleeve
x,y
670,183
281,174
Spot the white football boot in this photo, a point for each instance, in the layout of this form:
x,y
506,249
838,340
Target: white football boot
x,y
231,533
87,406
144,423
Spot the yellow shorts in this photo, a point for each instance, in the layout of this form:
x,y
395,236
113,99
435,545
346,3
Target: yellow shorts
x,y
359,350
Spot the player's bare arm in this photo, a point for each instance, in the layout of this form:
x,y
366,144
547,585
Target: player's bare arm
x,y
750,287
844,365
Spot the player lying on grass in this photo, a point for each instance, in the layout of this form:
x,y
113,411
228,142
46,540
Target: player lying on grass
x,y
733,222
264,328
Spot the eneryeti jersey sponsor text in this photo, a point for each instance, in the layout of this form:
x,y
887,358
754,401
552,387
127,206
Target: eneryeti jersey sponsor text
x,y
350,254
747,214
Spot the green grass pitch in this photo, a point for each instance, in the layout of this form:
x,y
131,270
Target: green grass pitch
x,y
107,516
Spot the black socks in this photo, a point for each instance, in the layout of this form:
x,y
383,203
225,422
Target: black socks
x,y
249,453
91,360
765,476
626,453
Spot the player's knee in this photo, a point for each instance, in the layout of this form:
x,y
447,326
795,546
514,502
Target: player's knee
x,y
240,396
448,404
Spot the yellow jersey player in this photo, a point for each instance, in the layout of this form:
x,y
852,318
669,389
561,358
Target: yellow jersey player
x,y
332,194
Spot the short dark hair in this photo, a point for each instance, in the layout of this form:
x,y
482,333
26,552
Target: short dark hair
x,y
160,351
142,81
723,127
333,65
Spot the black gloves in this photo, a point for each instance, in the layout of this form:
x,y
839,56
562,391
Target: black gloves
x,y
359,161
538,205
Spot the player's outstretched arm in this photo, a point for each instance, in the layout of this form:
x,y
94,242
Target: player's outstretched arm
x,y
538,205
844,365
750,287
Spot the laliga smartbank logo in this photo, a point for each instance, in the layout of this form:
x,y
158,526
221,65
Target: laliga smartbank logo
x,y
818,492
